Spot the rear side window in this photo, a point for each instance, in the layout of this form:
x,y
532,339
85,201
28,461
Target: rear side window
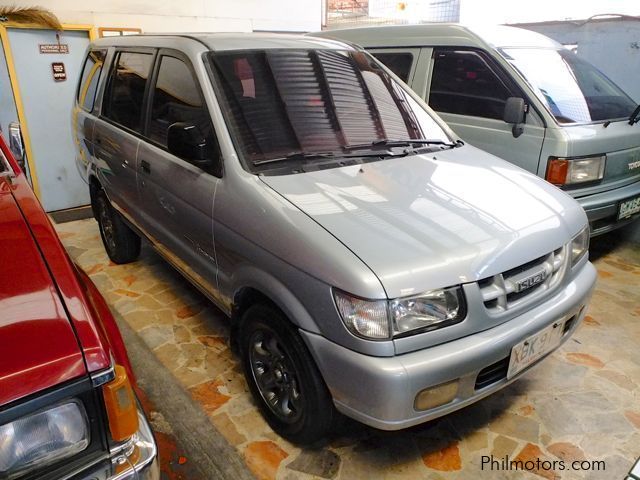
x,y
125,91
91,72
176,98
463,82
399,63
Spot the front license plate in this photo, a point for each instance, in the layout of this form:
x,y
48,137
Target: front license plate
x,y
628,208
533,348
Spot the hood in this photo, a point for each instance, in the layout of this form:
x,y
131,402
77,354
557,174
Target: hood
x,y
432,221
39,347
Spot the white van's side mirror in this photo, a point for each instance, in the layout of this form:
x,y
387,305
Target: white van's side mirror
x,y
514,111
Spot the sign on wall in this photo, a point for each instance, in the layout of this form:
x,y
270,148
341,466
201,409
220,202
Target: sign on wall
x,y
59,72
54,48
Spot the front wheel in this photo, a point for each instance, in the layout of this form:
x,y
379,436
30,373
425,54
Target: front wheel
x,y
283,378
121,243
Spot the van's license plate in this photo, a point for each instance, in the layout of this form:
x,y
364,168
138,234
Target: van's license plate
x,y
628,208
533,348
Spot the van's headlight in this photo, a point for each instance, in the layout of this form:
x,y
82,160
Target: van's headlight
x,y
579,245
428,311
42,438
569,171
382,319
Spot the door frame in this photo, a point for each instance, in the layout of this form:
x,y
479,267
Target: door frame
x,y
15,86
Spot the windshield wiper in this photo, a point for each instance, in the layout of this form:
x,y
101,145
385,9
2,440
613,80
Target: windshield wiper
x,y
635,116
384,143
295,156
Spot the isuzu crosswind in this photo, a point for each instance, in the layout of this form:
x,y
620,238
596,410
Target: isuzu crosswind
x,y
371,262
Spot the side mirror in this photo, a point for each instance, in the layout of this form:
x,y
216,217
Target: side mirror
x,y
514,111
186,140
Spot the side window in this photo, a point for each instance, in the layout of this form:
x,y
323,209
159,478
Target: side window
x,y
125,92
91,72
176,98
463,82
398,62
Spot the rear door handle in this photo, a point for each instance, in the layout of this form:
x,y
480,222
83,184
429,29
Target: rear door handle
x,y
146,168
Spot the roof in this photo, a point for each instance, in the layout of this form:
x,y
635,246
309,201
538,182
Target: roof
x,y
440,34
226,41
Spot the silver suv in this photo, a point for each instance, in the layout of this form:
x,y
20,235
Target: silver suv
x,y
371,262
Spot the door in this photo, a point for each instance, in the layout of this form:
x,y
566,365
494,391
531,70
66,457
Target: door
x,y
469,91
177,192
117,132
47,103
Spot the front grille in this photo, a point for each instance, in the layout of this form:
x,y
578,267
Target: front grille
x,y
524,283
492,374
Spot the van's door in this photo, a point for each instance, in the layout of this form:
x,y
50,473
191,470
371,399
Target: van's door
x,y
469,91
116,133
176,193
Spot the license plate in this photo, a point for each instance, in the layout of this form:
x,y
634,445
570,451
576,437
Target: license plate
x,y
533,348
628,208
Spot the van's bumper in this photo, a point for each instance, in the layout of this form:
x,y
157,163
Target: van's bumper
x,y
381,391
139,462
602,208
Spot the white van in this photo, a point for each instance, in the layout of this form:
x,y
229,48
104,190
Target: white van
x,y
527,99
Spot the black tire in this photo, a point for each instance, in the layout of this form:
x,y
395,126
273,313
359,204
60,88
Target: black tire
x,y
121,243
278,367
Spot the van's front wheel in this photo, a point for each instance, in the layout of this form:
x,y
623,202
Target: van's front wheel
x,y
283,377
120,242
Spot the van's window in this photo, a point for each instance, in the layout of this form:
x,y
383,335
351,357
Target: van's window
x,y
125,91
284,102
398,62
176,98
464,83
572,89
90,77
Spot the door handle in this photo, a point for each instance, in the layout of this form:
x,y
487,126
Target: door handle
x,y
146,168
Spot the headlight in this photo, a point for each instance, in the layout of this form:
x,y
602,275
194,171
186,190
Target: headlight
x,y
569,171
42,438
579,245
382,319
427,311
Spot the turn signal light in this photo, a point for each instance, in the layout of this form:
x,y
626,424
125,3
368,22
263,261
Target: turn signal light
x,y
121,407
570,171
557,171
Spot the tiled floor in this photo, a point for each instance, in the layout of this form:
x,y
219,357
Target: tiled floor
x,y
582,403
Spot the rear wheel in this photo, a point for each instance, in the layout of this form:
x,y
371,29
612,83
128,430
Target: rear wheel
x,y
283,378
121,243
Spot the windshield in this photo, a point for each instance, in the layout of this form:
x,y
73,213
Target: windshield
x,y
574,91
314,105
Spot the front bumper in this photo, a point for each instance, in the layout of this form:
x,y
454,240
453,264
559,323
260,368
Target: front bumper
x,y
380,391
602,208
138,462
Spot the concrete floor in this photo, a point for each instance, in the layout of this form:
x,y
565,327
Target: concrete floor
x,y
581,403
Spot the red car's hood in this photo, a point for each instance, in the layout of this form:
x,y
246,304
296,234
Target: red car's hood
x,y
38,346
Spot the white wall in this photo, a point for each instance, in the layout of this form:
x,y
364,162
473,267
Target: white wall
x,y
189,15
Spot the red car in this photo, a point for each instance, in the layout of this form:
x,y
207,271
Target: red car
x,y
67,402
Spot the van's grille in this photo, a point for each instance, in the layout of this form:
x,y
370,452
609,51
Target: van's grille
x,y
492,374
524,283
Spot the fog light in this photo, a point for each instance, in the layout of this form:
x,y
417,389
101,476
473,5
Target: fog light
x,y
435,396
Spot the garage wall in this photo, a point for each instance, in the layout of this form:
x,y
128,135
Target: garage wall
x,y
189,15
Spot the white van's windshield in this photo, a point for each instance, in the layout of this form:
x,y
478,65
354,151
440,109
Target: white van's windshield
x,y
296,106
573,90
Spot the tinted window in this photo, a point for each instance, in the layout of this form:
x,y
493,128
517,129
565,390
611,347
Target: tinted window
x,y
283,102
398,63
176,98
463,82
572,90
125,92
90,78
